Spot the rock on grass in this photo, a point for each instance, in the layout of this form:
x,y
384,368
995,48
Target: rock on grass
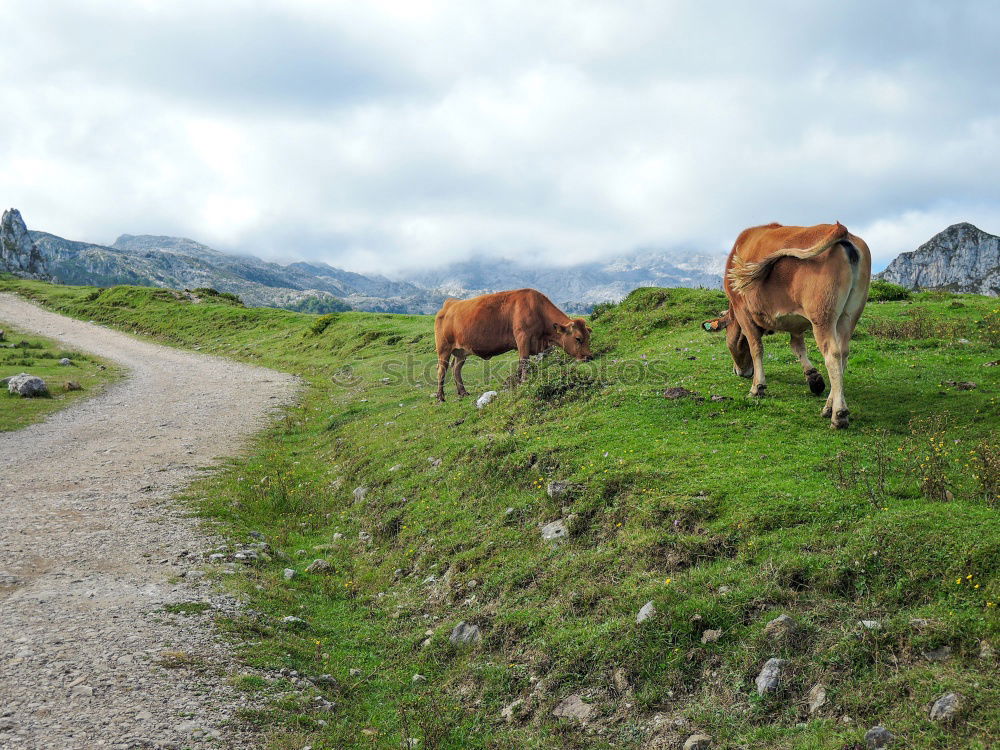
x,y
574,708
877,738
27,386
769,679
947,708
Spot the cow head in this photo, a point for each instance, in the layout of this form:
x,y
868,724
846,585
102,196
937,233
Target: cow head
x,y
738,346
574,338
740,349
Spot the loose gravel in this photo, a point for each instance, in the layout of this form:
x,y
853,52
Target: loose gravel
x,y
93,549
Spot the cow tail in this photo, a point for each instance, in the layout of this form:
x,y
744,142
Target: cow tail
x,y
743,274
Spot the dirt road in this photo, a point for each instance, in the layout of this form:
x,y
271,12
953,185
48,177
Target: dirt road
x,y
91,549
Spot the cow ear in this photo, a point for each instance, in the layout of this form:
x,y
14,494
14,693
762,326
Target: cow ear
x,y
559,328
589,329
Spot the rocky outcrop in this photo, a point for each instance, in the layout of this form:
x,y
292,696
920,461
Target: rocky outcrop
x,y
962,258
18,253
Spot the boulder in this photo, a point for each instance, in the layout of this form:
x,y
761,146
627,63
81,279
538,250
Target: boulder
x,y
27,386
65,362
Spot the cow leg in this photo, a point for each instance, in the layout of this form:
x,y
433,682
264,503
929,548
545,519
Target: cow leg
x,y
523,352
755,343
830,345
460,356
815,380
442,373
739,350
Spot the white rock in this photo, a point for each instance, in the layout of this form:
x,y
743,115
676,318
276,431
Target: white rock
x,y
485,399
554,530
288,574
647,611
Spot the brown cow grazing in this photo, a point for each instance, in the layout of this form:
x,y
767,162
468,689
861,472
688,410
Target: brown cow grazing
x,y
788,279
492,324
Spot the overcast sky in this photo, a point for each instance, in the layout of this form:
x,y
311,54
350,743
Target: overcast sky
x,y
385,135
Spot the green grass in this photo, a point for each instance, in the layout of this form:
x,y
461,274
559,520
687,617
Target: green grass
x,y
40,356
723,513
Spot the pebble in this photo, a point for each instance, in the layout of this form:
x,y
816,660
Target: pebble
x,y
554,530
465,633
647,611
878,737
946,708
769,679
698,742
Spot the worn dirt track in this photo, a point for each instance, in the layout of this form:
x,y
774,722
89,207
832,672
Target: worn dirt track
x,y
91,547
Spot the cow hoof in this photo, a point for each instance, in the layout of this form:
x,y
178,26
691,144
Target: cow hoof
x,y
439,399
827,412
816,383
463,394
841,421
758,391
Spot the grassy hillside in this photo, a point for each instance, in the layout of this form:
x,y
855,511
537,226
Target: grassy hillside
x,y
723,513
40,356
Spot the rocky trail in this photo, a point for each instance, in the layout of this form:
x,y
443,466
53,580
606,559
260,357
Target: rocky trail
x,y
95,556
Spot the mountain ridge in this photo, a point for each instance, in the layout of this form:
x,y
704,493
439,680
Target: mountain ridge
x,y
183,263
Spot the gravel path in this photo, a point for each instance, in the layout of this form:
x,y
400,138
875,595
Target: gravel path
x,y
91,548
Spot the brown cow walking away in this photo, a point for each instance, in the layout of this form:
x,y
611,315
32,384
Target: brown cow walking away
x,y
524,319
788,279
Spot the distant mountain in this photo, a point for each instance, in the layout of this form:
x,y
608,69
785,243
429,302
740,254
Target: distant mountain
x,y
962,258
18,254
579,287
180,263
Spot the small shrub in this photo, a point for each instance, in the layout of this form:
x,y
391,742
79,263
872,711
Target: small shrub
x,y
990,327
886,291
601,309
213,295
868,470
917,324
931,456
559,383
986,460
322,323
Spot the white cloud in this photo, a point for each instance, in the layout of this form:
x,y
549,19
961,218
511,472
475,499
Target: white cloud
x,y
390,134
